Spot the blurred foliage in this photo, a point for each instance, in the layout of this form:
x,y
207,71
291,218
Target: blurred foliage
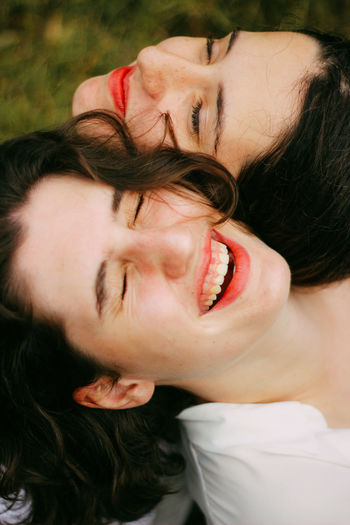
x,y
47,47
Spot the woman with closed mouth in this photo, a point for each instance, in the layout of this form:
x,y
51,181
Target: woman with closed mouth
x,y
125,284
231,97
273,107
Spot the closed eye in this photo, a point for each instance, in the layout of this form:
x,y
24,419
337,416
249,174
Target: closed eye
x,y
125,278
138,207
125,285
197,107
195,117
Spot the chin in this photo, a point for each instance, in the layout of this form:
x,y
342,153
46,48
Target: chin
x,y
90,95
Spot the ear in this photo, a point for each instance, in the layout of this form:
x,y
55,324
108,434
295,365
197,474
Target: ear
x,y
105,392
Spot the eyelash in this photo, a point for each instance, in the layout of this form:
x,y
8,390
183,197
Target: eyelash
x,y
137,211
195,117
197,107
210,43
124,287
139,206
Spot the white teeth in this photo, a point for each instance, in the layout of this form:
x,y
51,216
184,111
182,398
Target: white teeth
x,y
216,275
224,258
221,269
220,279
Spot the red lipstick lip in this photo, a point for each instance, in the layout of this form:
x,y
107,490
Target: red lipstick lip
x,y
118,85
240,278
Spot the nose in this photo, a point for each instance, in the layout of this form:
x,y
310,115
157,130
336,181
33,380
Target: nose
x,y
161,70
167,250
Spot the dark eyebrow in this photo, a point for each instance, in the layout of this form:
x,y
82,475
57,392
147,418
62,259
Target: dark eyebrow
x,y
117,197
233,37
218,123
100,281
100,289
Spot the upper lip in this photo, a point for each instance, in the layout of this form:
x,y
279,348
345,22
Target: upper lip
x,y
118,85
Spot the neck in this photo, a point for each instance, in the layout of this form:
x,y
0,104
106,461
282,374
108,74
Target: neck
x,y
304,357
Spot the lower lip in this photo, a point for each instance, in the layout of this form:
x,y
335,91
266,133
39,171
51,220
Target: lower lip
x,y
240,278
118,85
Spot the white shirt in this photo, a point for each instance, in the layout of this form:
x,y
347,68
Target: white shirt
x,y
266,464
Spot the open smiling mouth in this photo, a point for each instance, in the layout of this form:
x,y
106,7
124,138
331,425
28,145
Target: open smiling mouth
x,y
220,273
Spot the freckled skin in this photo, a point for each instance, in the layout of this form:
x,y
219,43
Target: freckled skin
x,y
260,79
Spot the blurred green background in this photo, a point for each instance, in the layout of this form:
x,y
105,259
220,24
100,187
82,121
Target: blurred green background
x,y
48,46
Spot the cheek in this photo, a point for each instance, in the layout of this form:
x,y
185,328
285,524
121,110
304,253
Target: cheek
x,y
146,127
171,342
154,305
158,325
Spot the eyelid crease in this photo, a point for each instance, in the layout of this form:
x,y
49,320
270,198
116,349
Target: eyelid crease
x,y
116,292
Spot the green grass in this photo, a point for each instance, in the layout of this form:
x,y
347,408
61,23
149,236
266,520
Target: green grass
x,y
48,46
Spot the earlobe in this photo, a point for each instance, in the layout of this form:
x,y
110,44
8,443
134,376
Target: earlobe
x,y
105,392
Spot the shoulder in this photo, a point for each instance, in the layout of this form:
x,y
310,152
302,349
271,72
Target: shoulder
x,y
279,455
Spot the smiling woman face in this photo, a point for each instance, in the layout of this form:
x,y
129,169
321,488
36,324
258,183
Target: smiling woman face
x,y
129,280
231,98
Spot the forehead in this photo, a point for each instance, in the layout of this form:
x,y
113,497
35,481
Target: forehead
x,y
267,78
63,220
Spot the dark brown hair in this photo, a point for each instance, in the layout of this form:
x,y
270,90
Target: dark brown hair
x,y
78,465
297,196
